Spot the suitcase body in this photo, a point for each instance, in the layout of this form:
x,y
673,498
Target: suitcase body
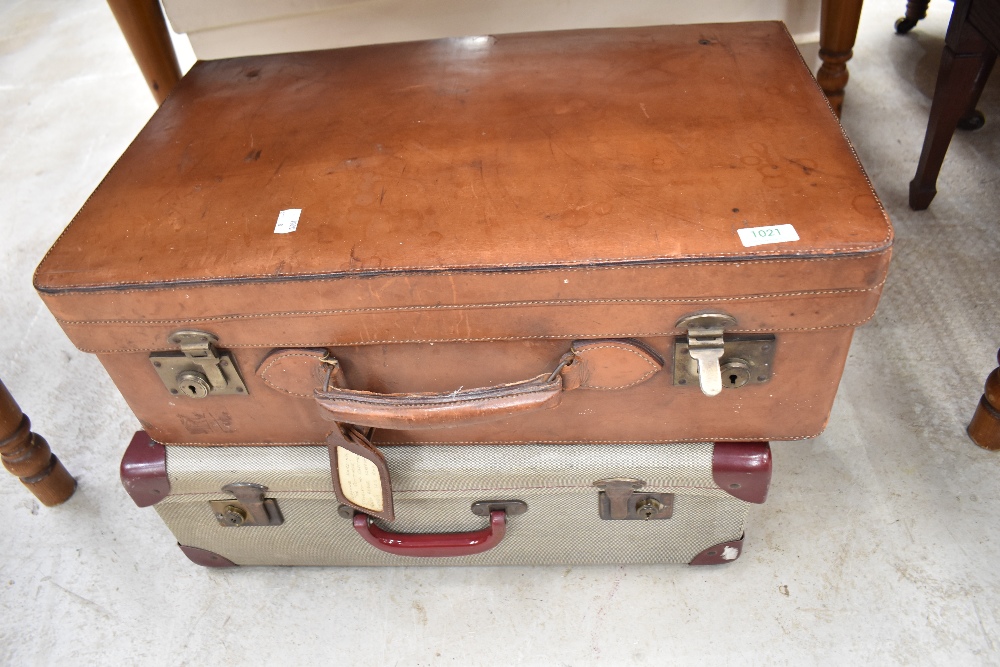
x,y
460,224
537,504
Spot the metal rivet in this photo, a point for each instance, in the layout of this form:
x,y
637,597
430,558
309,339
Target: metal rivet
x,y
711,553
173,391
761,378
682,381
734,486
157,364
704,42
239,390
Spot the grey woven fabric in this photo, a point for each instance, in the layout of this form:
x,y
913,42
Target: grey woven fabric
x,y
434,488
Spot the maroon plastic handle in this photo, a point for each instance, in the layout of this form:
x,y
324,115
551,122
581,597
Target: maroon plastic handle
x,y
433,545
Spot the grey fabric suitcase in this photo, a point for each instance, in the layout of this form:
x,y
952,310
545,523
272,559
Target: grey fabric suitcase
x,y
457,505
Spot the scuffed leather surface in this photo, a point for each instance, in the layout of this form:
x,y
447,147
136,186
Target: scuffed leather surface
x,y
428,410
627,145
611,364
794,404
295,372
466,213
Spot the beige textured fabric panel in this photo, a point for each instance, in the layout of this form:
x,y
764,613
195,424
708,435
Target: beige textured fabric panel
x,y
425,468
561,526
564,530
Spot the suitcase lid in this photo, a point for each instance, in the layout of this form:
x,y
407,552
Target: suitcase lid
x,y
611,164
427,472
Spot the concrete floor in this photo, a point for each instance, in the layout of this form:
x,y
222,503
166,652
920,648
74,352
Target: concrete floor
x,y
876,546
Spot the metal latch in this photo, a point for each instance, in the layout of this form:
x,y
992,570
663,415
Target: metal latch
x,y
250,508
620,501
718,361
199,369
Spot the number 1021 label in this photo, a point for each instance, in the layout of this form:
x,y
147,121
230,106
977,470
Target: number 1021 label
x,y
751,236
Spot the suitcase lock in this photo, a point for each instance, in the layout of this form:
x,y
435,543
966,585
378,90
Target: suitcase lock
x,y
199,369
619,500
250,508
718,361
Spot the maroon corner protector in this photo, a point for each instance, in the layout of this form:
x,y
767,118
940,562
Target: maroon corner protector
x,y
144,470
205,557
725,552
743,469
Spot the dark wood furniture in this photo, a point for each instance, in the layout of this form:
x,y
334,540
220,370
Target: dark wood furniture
x,y
971,46
916,10
28,456
985,426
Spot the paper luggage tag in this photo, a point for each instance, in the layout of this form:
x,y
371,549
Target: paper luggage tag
x,y
360,474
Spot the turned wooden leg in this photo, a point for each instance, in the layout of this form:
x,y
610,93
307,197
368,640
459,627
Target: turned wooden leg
x,y
145,30
28,456
985,426
965,65
916,10
837,32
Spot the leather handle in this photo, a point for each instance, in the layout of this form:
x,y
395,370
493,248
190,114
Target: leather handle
x,y
418,411
433,545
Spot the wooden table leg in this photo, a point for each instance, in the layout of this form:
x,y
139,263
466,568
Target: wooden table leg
x,y
916,10
145,30
837,32
28,456
965,66
985,426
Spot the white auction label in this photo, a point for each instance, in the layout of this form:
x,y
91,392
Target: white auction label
x,y
751,236
288,220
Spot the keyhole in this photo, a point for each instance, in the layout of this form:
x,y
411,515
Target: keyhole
x,y
193,384
732,380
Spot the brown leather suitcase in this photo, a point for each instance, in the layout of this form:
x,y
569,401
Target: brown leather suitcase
x,y
646,235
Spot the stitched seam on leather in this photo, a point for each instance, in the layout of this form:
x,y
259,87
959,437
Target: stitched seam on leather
x,y
200,282
284,355
510,265
612,346
843,133
489,339
472,306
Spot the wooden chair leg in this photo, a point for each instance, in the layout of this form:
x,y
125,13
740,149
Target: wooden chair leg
x,y
838,30
916,10
985,426
965,66
973,119
28,456
145,30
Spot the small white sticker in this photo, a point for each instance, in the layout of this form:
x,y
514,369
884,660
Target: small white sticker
x,y
729,553
751,236
288,220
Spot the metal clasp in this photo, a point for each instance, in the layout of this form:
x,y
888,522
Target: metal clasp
x,y
199,369
718,361
619,500
250,508
706,345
